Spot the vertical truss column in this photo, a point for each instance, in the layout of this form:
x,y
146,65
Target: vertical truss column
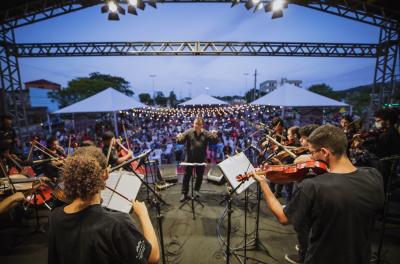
x,y
385,68
13,100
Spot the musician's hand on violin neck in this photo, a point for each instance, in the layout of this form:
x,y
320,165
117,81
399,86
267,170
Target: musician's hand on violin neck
x,y
257,174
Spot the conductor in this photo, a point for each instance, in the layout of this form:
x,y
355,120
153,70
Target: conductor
x,y
196,141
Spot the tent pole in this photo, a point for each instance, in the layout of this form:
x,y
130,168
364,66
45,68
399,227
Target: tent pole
x,y
73,121
49,122
283,113
115,123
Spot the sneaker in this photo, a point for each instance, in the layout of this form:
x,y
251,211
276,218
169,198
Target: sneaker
x,y
197,194
297,247
183,197
293,258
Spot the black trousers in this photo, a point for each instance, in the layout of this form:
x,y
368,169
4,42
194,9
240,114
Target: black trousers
x,y
188,175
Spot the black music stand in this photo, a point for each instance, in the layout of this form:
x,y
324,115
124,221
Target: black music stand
x,y
143,158
192,198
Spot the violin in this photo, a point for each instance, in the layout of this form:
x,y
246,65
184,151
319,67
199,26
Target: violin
x,y
297,151
282,174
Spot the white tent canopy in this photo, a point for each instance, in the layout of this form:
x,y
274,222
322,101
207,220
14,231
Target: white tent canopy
x,y
289,95
203,99
109,100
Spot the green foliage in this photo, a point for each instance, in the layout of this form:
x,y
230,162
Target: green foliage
x,y
160,99
83,87
172,99
146,98
325,90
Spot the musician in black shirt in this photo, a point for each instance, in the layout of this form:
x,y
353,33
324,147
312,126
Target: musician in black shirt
x,y
339,205
84,232
112,154
196,141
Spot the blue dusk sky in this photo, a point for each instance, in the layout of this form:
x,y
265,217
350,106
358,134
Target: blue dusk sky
x,y
201,22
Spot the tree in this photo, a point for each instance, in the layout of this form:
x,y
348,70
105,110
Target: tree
x,y
160,99
146,98
325,90
172,99
83,87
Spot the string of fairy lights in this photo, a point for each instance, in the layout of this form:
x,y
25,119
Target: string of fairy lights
x,y
187,114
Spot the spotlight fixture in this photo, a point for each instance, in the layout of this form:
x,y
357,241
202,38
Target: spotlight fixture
x,y
136,4
152,3
235,2
113,8
249,4
276,7
259,6
132,10
113,16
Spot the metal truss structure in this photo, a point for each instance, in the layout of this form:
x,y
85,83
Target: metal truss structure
x,y
27,12
39,10
385,67
11,94
195,48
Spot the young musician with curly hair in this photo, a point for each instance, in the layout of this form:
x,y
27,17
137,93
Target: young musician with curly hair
x,y
84,232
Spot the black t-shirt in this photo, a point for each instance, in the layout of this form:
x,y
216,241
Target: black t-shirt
x,y
96,236
340,209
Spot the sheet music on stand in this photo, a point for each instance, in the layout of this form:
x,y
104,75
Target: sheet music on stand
x,y
235,165
125,183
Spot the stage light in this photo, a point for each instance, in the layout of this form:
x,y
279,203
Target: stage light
x,y
259,6
132,10
235,2
136,4
112,6
104,9
249,4
152,3
278,5
113,16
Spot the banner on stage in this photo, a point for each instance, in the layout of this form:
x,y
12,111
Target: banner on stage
x,y
234,166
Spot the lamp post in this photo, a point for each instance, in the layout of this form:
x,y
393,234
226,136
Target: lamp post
x,y
245,81
153,76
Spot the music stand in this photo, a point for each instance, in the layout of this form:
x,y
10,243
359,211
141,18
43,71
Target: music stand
x,y
192,198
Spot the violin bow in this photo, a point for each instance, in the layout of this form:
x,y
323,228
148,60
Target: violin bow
x,y
282,146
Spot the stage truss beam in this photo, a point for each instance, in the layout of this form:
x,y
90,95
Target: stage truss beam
x,y
194,48
12,99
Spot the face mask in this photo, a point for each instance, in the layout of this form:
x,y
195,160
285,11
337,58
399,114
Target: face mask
x,y
378,125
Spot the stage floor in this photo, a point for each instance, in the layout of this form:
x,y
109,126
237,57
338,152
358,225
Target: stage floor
x,y
194,241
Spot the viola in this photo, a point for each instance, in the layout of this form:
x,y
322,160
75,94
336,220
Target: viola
x,y
282,174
